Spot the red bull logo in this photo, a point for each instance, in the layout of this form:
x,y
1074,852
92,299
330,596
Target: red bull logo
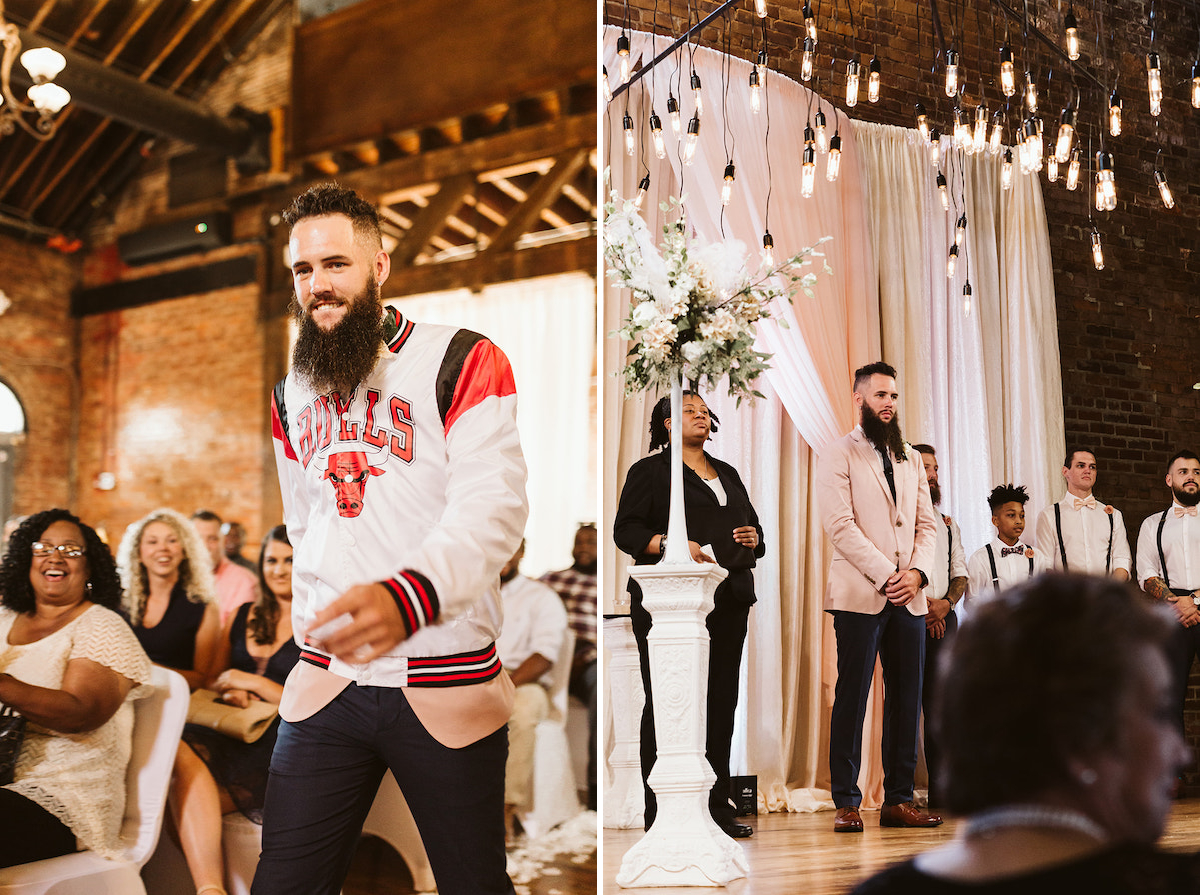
x,y
349,472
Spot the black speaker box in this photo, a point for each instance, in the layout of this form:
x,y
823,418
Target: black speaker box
x,y
185,237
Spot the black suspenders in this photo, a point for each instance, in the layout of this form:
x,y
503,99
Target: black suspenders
x,y
1162,559
995,574
949,552
1062,550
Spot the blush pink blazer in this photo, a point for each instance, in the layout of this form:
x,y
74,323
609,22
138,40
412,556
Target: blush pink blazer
x,y
872,535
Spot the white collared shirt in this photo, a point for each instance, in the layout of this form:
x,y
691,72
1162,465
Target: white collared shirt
x,y
1085,535
949,560
1180,545
1010,570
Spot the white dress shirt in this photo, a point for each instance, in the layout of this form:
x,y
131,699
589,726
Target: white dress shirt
x,y
1180,545
950,560
1011,569
1085,534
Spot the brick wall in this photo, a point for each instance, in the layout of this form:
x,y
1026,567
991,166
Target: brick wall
x,y
1128,334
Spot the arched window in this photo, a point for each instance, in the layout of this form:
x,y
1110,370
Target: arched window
x,y
12,433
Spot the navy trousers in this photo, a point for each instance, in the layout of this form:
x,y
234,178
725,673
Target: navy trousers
x,y
324,775
898,638
933,752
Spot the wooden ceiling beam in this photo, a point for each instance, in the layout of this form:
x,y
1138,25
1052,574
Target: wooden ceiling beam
x,y
486,210
545,191
432,218
491,267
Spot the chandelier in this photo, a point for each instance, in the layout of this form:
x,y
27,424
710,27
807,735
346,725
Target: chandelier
x,y
44,99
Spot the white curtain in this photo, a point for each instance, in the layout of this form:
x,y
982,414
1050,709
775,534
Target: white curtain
x,y
547,328
885,252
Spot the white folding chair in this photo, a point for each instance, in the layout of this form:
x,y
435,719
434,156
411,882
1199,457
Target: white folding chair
x,y
158,722
554,796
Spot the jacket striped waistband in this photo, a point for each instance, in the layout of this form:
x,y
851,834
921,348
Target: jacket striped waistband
x,y
460,669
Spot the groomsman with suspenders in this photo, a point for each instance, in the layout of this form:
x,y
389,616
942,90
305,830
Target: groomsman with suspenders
x,y
1168,562
1006,560
1080,534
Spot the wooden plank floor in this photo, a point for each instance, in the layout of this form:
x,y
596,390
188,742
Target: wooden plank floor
x,y
792,853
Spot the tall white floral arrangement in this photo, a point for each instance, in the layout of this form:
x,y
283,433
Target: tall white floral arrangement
x,y
694,303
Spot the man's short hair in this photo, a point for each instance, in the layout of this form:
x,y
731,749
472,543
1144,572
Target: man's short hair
x,y
326,199
1077,450
1003,494
863,374
205,516
924,449
1185,454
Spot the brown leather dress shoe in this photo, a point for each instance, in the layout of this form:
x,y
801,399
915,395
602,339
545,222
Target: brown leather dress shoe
x,y
847,820
906,814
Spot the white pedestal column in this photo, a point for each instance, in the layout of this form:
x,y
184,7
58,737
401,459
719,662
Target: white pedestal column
x,y
684,846
624,800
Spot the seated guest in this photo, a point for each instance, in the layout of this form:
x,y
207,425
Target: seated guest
x,y
1059,748
1006,560
214,773
535,624
169,594
233,584
70,665
233,535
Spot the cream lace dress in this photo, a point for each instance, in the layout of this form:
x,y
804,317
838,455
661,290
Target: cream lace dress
x,y
79,778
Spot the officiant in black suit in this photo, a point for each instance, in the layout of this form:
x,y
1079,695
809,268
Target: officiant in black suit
x,y
720,517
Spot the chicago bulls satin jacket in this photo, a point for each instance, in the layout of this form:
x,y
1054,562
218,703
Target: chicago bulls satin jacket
x,y
416,481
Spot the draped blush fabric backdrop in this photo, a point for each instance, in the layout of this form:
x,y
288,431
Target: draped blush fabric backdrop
x,y
884,299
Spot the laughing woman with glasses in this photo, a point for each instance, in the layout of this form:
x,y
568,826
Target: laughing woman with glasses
x,y
72,667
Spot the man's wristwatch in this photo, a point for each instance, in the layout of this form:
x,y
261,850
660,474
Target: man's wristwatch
x,y
662,545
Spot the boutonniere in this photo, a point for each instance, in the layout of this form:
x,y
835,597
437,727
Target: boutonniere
x,y
946,519
1029,553
1108,508
907,450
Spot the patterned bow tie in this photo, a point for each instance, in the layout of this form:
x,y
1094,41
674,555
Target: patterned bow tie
x,y
1005,551
1089,502
1180,512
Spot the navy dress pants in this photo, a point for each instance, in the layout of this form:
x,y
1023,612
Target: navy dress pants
x,y
933,753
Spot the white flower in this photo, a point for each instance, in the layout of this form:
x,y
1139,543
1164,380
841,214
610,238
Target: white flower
x,y
724,265
659,334
692,351
722,327
644,314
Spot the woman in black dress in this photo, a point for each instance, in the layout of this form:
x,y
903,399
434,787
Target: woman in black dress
x,y
719,514
215,774
169,594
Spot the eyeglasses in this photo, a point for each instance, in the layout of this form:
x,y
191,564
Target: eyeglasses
x,y
73,551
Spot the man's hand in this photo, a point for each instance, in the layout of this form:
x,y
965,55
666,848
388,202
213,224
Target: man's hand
x,y
902,587
935,618
375,627
936,628
1188,614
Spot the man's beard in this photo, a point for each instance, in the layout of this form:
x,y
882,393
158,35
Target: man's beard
x,y
883,435
340,359
935,493
1185,498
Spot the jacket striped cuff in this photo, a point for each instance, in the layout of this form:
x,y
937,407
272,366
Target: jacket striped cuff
x,y
416,599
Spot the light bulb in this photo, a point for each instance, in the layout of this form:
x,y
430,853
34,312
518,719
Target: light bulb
x,y
962,128
1097,250
833,164
627,124
873,77
43,64
952,262
1006,171
696,97
48,98
951,73
1196,84
1073,170
996,141
1154,83
967,298
1052,169
1106,183
935,147
693,137
623,53
727,186
643,186
852,82
760,7
1114,114
604,85
1066,133
806,61
1008,76
808,173
981,130
810,23
1164,188
660,148
768,250
960,229
1031,98
755,91
1072,29
810,136
822,140
673,114
922,122
943,192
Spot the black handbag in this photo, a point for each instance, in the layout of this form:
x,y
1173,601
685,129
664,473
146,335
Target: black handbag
x,y
12,733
